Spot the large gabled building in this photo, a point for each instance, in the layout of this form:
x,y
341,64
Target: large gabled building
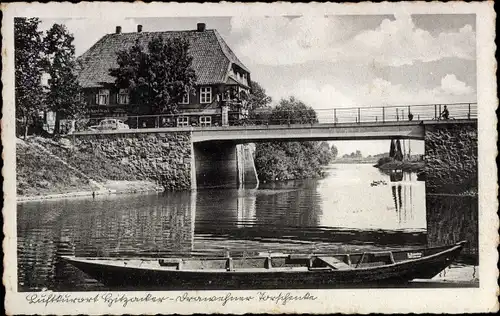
x,y
222,86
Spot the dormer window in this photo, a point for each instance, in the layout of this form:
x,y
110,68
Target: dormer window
x,y
102,98
206,95
123,96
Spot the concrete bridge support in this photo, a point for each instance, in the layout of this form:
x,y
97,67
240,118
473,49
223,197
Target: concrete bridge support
x,y
223,164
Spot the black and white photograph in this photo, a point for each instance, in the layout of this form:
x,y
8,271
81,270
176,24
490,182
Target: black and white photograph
x,y
208,160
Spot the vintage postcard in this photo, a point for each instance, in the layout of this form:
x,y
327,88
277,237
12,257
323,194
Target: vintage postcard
x,y
249,158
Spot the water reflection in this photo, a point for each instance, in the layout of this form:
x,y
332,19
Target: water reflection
x,y
453,218
402,194
341,212
110,226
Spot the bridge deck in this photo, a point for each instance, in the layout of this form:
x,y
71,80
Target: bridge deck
x,y
329,131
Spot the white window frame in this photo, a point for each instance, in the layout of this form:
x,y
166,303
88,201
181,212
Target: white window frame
x,y
104,93
205,95
205,121
182,121
123,93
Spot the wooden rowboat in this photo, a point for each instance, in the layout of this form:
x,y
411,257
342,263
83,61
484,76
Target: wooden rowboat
x,y
278,271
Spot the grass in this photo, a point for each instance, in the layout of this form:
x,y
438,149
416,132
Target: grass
x,y
37,174
96,167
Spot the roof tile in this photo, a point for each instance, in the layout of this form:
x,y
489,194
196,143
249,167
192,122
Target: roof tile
x,y
211,56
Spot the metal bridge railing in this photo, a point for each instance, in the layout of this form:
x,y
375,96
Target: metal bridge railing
x,y
379,114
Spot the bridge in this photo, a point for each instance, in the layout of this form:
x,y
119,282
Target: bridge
x,y
390,122
204,156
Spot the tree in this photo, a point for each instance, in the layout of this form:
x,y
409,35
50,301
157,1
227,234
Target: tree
x,y
157,78
63,97
258,97
293,111
28,46
334,151
324,153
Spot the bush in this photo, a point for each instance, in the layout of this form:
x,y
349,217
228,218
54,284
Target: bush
x,y
384,160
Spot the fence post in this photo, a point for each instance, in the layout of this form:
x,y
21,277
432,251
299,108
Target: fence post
x,y
359,115
383,114
137,122
334,116
468,113
435,111
409,112
397,114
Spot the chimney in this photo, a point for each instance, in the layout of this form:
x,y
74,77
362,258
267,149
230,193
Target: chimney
x,y
139,28
118,30
200,27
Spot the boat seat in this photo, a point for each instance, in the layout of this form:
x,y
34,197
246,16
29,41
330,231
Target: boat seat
x,y
299,257
335,263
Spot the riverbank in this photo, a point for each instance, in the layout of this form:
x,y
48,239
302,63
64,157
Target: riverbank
x,y
416,166
54,170
110,188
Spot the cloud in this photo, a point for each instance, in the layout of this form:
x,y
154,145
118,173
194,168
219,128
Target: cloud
x,y
323,96
451,85
399,42
383,92
88,31
282,41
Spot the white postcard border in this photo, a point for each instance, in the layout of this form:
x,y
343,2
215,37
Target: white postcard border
x,y
482,299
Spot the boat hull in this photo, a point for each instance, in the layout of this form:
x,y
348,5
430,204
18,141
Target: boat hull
x,y
133,278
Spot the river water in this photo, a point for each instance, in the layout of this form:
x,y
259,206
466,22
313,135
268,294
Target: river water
x,y
355,207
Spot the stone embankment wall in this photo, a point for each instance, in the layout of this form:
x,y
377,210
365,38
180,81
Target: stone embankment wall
x,y
162,157
451,158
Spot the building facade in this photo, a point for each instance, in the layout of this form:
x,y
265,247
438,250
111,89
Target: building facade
x,y
218,98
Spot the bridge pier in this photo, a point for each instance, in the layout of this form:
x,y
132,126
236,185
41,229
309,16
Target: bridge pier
x,y
223,164
451,170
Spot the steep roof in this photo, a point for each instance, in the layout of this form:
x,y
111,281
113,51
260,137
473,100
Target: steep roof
x,y
212,57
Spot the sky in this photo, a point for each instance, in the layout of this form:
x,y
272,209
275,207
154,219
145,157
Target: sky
x,y
335,61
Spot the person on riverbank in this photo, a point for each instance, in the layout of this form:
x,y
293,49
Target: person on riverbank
x,y
445,114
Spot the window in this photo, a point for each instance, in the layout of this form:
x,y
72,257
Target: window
x,y
182,121
205,121
206,95
102,98
185,98
123,97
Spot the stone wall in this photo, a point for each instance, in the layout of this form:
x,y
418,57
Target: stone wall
x,y
451,158
162,157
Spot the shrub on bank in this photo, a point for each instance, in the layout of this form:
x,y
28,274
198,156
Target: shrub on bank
x,y
277,161
383,161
